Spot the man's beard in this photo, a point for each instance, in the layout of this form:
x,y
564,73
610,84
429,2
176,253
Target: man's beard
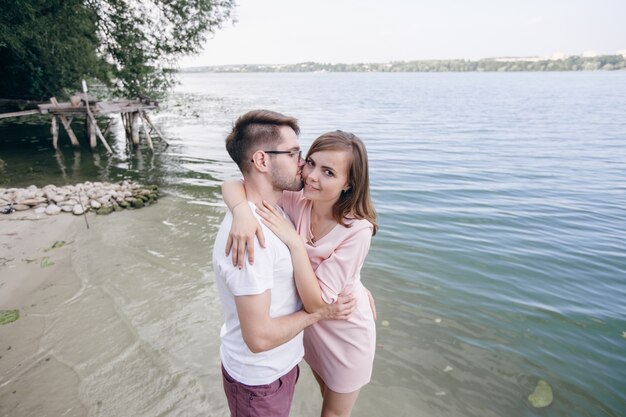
x,y
285,183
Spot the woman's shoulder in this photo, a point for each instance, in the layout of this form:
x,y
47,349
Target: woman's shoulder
x,y
292,197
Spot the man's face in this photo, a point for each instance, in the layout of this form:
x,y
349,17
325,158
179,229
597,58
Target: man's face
x,y
287,167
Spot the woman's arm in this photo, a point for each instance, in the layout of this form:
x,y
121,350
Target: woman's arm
x,y
244,227
306,281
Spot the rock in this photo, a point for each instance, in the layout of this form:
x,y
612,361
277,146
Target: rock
x,y
137,203
59,198
95,204
67,208
33,201
78,209
40,210
53,209
124,204
104,200
104,210
20,207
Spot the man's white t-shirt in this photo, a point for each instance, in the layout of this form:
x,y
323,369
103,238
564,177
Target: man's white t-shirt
x,y
272,270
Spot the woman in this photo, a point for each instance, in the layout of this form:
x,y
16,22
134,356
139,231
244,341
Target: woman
x,y
335,220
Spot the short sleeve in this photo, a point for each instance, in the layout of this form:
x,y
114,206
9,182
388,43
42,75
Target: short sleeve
x,y
344,264
289,202
251,279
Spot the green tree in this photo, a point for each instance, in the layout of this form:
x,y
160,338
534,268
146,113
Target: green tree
x,y
46,46
132,46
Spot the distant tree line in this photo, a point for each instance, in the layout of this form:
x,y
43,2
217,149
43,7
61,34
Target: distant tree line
x,y
572,63
129,46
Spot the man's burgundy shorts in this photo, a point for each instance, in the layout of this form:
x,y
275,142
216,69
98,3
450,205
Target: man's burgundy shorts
x,y
261,400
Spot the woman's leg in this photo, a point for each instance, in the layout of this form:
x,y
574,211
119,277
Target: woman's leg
x,y
320,382
338,405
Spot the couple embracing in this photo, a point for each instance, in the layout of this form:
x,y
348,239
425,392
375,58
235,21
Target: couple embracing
x,y
295,290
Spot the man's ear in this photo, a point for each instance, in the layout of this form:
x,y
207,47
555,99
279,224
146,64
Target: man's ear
x,y
260,161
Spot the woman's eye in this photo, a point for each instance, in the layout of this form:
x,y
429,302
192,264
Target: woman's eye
x,y
329,173
309,162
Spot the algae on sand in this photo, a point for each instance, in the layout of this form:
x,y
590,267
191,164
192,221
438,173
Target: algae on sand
x,y
9,316
542,396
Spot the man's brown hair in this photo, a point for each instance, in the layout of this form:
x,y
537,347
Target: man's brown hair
x,y
257,129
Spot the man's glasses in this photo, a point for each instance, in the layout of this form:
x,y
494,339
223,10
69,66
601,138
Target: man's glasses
x,y
291,153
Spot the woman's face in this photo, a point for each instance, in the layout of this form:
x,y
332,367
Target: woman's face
x,y
325,175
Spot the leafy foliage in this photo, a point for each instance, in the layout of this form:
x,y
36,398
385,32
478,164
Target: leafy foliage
x,y
572,63
46,46
132,46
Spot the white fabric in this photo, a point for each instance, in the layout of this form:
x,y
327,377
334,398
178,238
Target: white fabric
x,y
272,270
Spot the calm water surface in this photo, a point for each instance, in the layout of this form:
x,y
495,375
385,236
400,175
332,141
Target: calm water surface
x,y
501,257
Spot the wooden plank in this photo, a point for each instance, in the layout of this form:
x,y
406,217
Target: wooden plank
x,y
19,113
67,126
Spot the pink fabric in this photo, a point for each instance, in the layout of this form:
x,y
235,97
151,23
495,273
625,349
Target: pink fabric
x,y
340,352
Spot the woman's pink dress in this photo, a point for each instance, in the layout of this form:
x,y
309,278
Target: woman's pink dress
x,y
341,352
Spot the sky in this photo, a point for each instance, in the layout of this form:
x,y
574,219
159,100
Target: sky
x,y
352,31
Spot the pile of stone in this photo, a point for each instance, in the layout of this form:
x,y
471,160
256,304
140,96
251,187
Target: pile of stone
x,y
99,197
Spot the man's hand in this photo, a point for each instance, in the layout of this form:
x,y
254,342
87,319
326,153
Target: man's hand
x,y
340,309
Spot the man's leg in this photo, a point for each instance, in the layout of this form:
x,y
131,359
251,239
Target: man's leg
x,y
261,400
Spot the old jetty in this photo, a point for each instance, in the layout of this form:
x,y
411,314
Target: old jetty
x,y
132,112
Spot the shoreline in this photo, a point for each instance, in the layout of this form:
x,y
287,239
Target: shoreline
x,y
35,280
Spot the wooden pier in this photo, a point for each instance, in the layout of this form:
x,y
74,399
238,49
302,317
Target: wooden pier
x,y
132,112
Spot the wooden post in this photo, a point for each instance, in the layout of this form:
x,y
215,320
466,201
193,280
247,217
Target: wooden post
x,y
94,127
147,119
134,126
54,129
148,138
91,127
106,131
66,125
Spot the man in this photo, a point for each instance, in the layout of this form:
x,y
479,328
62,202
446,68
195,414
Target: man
x,y
262,334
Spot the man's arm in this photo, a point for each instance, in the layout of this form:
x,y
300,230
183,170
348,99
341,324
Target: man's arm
x,y
262,332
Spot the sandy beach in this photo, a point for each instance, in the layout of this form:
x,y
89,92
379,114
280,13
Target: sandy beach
x,y
35,279
117,320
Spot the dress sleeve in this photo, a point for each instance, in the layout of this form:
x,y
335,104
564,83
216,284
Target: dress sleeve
x,y
342,267
289,201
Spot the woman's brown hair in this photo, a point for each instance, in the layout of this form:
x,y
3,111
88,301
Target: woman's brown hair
x,y
356,201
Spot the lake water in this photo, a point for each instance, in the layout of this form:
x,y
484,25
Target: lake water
x,y
500,260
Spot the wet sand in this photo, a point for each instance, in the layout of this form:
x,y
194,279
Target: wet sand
x,y
124,319
35,279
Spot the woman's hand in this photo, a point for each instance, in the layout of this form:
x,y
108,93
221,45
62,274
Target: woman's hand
x,y
241,236
340,309
278,224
